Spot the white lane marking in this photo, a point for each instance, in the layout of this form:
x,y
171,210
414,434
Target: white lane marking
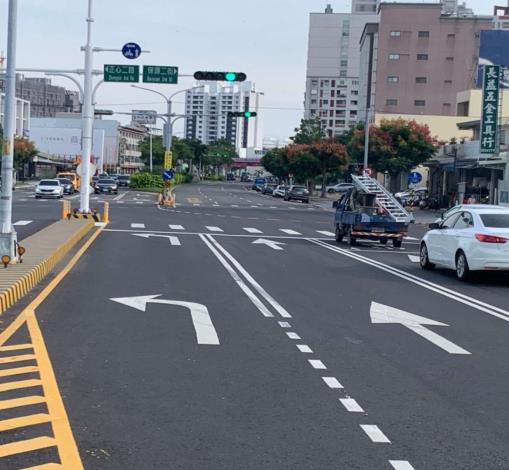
x,y
137,225
74,197
235,205
332,382
23,222
414,259
401,465
139,202
251,230
174,241
289,231
176,227
304,348
325,232
411,238
250,294
317,364
214,229
292,335
196,205
351,405
375,433
284,324
275,304
275,245
120,196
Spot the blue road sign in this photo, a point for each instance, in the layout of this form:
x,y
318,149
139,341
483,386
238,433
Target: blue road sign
x,y
167,175
414,177
131,50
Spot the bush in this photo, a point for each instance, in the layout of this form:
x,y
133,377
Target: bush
x,y
146,181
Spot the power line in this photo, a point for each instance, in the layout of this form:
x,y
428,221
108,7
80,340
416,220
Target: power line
x,y
279,108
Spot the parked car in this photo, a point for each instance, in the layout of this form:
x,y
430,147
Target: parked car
x,y
230,177
298,193
106,185
245,178
95,179
123,181
258,184
269,188
49,188
411,196
279,191
67,185
339,188
468,240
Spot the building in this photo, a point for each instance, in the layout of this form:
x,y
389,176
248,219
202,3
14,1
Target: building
x,y
22,115
332,75
210,105
420,58
46,100
130,139
501,17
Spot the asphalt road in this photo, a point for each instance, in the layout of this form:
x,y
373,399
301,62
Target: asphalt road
x,y
284,368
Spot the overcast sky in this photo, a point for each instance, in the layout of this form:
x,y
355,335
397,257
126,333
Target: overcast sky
x,y
266,39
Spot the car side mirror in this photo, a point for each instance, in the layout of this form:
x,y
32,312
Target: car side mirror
x,y
335,204
434,226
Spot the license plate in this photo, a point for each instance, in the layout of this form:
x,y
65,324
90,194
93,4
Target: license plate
x,y
378,230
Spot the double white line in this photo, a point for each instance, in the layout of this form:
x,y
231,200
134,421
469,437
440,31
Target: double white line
x,y
454,295
243,278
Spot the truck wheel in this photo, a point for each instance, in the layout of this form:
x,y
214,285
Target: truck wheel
x,y
352,241
397,242
339,234
383,241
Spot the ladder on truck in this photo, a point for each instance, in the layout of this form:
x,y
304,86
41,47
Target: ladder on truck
x,y
384,198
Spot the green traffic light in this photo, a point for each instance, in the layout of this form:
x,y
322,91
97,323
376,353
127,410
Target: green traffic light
x,y
247,114
230,76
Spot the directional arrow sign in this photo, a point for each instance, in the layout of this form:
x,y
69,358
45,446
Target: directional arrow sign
x,y
173,240
272,243
384,314
205,331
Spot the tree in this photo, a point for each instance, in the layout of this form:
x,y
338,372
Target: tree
x,y
332,157
158,150
221,153
275,161
24,151
309,132
302,163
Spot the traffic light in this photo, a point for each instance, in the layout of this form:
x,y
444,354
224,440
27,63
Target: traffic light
x,y
220,76
244,114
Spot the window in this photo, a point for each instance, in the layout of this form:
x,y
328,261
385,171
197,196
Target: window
x,y
313,101
344,63
423,34
395,34
451,36
450,221
419,103
495,220
391,102
450,59
392,79
446,105
393,56
422,56
342,73
421,80
448,82
332,93
465,221
354,92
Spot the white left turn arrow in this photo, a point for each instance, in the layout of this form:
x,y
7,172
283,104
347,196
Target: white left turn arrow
x,y
205,331
272,243
384,314
173,240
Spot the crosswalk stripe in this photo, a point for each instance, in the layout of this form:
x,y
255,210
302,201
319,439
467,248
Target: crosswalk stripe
x,y
23,222
289,231
325,232
251,230
137,225
176,227
174,241
213,229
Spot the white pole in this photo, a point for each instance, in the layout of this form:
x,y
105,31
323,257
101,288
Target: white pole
x,y
87,118
8,234
151,166
366,141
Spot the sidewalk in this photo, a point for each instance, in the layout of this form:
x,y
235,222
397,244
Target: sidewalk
x,y
44,250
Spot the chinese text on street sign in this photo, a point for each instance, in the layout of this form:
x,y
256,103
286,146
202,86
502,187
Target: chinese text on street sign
x,y
489,120
142,116
160,74
122,73
168,159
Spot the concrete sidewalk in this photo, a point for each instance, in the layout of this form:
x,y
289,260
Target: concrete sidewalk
x,y
44,250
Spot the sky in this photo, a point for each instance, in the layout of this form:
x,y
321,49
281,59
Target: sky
x,y
266,39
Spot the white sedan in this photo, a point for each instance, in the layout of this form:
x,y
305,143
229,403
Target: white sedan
x,y
468,240
280,191
49,188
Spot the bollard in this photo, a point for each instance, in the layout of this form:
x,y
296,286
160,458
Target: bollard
x,y
106,212
66,209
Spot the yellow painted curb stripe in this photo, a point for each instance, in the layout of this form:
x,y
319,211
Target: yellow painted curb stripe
x,y
27,446
23,357
31,420
24,401
18,371
5,386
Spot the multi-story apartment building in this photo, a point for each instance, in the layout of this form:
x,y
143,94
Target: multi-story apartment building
x,y
208,120
332,76
22,122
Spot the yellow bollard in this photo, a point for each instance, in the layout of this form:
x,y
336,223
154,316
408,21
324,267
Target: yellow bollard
x,y
106,212
66,209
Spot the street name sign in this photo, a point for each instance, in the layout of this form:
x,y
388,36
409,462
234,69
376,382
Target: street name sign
x,y
122,73
142,116
131,50
160,74
489,121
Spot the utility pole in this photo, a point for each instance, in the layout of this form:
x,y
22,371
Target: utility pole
x,y
8,237
151,165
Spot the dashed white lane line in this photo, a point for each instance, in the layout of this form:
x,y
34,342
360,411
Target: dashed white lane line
x,y
174,241
325,232
375,433
139,202
23,222
214,229
413,258
251,230
235,205
284,324
176,227
401,465
289,231
351,405
332,382
292,335
317,364
137,225
411,238
304,348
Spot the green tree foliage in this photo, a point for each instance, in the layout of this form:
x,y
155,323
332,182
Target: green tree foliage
x,y
157,151
220,154
309,132
24,150
276,162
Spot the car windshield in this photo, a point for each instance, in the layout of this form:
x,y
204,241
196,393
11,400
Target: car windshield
x,y
298,189
260,181
495,220
123,177
49,183
106,181
64,181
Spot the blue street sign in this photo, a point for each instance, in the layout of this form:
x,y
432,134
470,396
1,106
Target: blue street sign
x,y
167,175
131,50
414,178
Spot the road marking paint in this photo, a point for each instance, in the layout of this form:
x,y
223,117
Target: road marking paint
x,y
214,229
289,231
176,227
332,382
325,232
272,207
401,465
24,401
137,225
6,386
24,357
139,202
351,405
317,364
375,433
292,335
120,196
414,259
23,222
255,207
18,371
284,324
27,446
30,420
304,348
410,238
235,205
251,230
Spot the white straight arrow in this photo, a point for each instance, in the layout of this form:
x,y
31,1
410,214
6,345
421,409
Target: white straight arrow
x,y
173,240
272,243
384,314
205,331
